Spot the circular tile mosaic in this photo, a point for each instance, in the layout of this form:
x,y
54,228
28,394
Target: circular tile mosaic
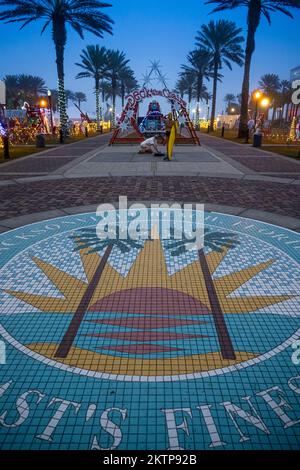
x,y
125,317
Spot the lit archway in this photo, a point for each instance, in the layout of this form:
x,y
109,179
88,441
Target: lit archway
x,y
128,126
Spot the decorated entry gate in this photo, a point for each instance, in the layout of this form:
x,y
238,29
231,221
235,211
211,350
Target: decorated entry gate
x,y
128,131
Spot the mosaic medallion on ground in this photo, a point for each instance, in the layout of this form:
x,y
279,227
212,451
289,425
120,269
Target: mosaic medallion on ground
x,y
149,345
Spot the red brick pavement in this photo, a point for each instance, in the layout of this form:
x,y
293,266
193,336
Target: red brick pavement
x,y
33,197
270,164
42,164
53,159
251,157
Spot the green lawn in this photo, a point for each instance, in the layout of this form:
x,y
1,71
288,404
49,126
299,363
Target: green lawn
x,y
228,135
20,151
280,148
286,150
23,150
231,134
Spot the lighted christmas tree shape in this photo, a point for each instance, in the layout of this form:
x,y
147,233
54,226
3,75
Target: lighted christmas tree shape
x,y
155,76
292,134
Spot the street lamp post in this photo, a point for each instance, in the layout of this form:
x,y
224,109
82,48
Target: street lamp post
x,y
51,111
257,96
265,102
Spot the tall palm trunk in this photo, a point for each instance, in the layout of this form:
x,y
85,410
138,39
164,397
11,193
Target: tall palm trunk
x,y
199,91
97,94
70,335
254,13
287,111
190,97
59,35
214,95
225,343
114,106
273,113
123,94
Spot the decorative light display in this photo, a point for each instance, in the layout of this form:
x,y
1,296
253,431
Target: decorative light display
x,y
123,126
181,120
2,130
98,109
62,107
2,134
292,134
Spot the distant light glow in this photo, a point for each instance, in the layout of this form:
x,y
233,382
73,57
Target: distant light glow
x,y
265,102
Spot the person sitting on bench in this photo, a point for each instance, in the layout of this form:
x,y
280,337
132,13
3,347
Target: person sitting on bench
x,y
150,145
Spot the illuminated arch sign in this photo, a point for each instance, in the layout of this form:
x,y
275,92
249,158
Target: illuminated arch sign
x,y
140,95
128,119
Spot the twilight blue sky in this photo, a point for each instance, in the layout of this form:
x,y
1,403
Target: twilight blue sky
x,y
151,29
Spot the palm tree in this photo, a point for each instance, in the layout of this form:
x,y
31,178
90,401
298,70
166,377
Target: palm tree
x,y
24,87
216,241
88,239
69,96
105,88
189,83
205,95
286,92
94,65
116,64
255,10
79,98
12,90
228,99
180,87
270,84
200,61
128,83
31,86
239,98
82,16
222,38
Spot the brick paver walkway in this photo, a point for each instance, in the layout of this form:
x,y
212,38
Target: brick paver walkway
x,y
32,197
52,159
253,158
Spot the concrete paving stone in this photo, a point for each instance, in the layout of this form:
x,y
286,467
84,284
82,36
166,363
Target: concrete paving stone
x,y
268,178
223,209
119,157
69,151
282,220
7,182
197,167
38,178
204,174
15,222
81,209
